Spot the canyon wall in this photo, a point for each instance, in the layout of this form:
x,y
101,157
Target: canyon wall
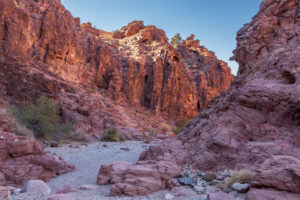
x,y
126,79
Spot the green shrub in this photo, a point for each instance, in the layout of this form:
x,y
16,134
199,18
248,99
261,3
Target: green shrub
x,y
42,118
112,135
176,39
241,176
180,125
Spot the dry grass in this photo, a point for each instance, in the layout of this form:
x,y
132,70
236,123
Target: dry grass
x,y
241,176
18,128
164,127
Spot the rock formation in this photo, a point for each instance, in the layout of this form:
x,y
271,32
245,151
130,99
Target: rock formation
x,y
150,174
23,158
255,124
127,79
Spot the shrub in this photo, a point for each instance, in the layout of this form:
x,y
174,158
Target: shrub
x,y
42,118
180,125
18,128
176,39
112,135
164,127
241,176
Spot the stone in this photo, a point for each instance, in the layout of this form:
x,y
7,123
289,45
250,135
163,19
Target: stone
x,y
2,179
241,188
172,183
61,197
219,196
208,176
186,181
169,196
4,192
36,187
65,189
124,149
269,194
279,172
74,145
199,189
54,144
88,187
145,177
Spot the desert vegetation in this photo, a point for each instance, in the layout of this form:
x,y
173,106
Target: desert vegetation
x,y
176,39
42,118
240,176
112,135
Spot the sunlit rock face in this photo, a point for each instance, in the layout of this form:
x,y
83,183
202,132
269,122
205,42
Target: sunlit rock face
x,y
258,117
126,79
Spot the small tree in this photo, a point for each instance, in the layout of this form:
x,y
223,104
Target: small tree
x,y
42,118
176,39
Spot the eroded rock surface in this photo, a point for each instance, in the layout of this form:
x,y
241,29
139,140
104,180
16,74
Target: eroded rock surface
x,y
128,79
255,124
258,117
23,159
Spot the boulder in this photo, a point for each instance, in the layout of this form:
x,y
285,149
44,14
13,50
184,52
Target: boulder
x,y
4,192
110,174
279,172
36,187
144,178
61,197
241,188
219,196
269,194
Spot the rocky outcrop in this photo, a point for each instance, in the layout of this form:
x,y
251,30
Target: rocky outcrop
x,y
144,177
258,117
23,159
128,79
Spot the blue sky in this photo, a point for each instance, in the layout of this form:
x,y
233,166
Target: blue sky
x,y
213,22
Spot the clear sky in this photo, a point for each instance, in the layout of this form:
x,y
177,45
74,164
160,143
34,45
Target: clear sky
x,y
213,22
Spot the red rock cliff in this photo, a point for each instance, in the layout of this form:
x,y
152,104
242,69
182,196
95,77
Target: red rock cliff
x,y
259,116
45,51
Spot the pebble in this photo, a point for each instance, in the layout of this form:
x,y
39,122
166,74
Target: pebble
x,y
169,196
209,176
186,181
241,188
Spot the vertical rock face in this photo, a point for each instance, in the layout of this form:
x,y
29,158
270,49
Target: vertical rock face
x,y
258,117
45,51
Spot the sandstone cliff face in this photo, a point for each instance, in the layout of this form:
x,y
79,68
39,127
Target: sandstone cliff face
x,y
102,80
258,117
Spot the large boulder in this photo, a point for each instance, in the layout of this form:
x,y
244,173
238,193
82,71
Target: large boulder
x,y
36,187
279,172
23,159
141,179
269,194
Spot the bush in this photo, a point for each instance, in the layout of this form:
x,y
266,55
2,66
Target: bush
x,y
112,135
241,176
18,128
176,39
180,125
42,118
164,127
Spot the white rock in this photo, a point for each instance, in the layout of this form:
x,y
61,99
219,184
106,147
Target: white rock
x,y
36,187
241,188
169,196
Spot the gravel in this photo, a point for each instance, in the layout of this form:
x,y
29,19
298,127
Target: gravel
x,y
87,160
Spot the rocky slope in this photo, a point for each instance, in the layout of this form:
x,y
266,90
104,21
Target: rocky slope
x,y
255,124
23,158
131,79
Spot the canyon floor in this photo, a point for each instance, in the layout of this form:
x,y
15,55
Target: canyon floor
x,y
87,160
